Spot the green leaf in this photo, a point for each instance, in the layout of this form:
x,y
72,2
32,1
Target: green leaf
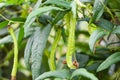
x,y
82,59
96,35
18,19
107,25
62,3
116,30
85,73
64,36
44,19
115,57
40,38
28,24
5,23
21,34
59,16
27,53
58,74
98,10
35,13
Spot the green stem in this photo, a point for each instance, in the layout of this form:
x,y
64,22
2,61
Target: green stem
x,y
14,69
9,20
52,54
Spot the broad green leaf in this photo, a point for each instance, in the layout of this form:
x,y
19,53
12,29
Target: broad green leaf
x,y
21,34
5,23
62,3
64,36
82,59
116,30
41,11
40,38
58,74
35,13
107,25
45,64
93,65
44,19
59,16
27,53
85,73
18,19
115,57
98,10
96,35
28,24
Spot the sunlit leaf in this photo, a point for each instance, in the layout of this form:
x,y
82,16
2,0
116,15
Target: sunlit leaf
x,y
107,25
96,35
40,38
98,10
44,19
116,30
115,57
60,3
63,74
37,12
59,16
5,23
27,53
21,35
85,73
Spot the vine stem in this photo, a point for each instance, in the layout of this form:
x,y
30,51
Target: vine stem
x,y
14,69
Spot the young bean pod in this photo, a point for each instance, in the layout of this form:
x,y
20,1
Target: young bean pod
x,y
14,69
52,54
71,24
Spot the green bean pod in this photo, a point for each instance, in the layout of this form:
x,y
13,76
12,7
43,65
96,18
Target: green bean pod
x,y
52,54
71,24
14,69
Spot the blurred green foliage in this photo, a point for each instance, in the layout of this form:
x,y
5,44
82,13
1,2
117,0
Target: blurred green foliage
x,y
35,24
